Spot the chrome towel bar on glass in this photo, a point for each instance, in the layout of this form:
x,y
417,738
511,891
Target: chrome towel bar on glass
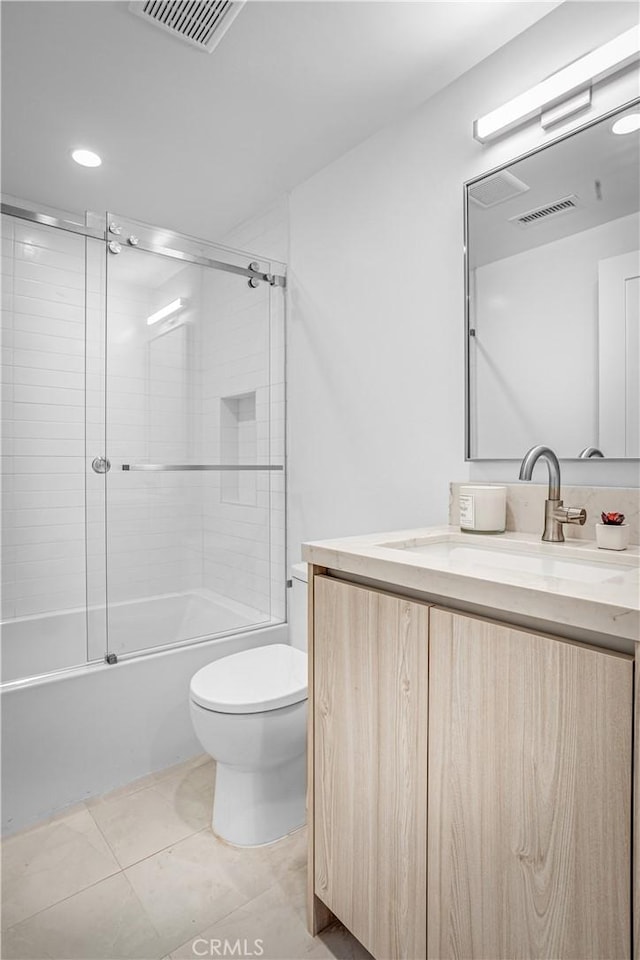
x,y
202,466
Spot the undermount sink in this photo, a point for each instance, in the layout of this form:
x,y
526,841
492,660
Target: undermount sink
x,y
459,553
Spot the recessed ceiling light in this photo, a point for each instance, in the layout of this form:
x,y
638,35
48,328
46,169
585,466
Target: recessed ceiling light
x,y
628,124
86,158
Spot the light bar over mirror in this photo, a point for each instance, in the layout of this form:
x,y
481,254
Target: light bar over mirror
x,y
566,83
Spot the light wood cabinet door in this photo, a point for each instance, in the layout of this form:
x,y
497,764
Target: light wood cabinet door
x,y
530,760
370,732
636,817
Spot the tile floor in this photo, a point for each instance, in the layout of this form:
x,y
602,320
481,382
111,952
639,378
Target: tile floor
x,y
138,875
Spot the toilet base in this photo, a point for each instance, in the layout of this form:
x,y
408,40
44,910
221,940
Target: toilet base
x,y
251,807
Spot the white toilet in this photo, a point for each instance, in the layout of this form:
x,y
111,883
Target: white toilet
x,y
249,712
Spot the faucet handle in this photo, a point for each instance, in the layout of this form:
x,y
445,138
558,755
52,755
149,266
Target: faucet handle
x,y
571,515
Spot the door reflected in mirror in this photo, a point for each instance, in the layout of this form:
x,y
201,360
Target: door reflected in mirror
x,y
553,275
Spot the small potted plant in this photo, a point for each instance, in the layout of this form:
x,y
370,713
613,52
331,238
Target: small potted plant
x,y
612,533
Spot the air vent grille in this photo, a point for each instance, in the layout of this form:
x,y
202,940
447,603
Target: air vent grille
x,y
202,23
565,205
496,189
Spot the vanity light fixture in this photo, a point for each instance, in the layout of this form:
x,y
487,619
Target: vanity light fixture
x,y
167,311
86,158
627,124
571,80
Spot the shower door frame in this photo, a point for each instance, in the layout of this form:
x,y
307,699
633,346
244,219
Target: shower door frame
x,y
255,275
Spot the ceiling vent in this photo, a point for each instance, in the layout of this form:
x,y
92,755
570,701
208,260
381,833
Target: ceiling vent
x,y
496,189
555,209
202,23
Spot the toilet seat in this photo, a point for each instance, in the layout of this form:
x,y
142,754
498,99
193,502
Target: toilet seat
x,y
253,681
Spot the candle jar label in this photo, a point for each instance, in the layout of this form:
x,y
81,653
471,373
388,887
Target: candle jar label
x,y
467,511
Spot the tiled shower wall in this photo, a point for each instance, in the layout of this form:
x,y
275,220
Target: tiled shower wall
x,y
43,443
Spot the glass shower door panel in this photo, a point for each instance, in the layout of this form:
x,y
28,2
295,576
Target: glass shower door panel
x,y
43,496
188,406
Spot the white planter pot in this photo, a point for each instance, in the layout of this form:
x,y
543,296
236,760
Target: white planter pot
x,y
612,537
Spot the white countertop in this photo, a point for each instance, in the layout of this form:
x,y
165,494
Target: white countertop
x,y
602,611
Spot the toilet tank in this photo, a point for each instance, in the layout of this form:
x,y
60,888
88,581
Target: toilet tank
x,y
298,606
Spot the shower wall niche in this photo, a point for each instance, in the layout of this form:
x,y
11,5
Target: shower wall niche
x,y
238,441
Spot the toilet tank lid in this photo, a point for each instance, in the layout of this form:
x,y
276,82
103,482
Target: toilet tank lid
x,y
253,681
300,571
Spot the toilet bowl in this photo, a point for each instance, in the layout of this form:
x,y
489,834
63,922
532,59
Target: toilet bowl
x,y
249,712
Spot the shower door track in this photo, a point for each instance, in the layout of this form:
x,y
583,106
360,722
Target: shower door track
x,y
33,216
273,279
46,220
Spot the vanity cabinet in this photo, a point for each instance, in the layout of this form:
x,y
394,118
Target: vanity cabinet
x,y
470,783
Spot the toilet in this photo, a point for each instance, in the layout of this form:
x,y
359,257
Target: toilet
x,y
249,712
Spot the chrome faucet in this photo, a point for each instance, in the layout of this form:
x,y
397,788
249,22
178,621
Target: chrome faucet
x,y
554,512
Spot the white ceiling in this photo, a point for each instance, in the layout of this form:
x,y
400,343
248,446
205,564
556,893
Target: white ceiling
x,y
199,142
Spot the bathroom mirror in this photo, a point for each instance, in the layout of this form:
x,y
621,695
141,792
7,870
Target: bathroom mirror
x,y
553,298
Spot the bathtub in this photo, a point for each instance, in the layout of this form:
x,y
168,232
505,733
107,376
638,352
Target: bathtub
x,y
38,645
86,730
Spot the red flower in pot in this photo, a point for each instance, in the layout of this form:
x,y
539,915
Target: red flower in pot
x,y
612,519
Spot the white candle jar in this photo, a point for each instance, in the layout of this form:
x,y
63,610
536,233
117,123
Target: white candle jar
x,y
483,508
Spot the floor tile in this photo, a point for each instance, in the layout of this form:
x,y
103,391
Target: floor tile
x,y
48,863
267,926
139,824
191,793
288,860
196,882
103,922
149,780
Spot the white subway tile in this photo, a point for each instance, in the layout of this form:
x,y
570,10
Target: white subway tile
x,y
29,323
49,430
22,340
49,309
48,395
45,360
19,536
50,276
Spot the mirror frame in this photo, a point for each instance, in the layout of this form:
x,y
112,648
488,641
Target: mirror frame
x,y
634,102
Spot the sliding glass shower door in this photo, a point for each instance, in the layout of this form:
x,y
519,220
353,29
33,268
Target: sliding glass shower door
x,y
192,463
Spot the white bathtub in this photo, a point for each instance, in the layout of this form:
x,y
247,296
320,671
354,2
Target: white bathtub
x,y
85,731
38,645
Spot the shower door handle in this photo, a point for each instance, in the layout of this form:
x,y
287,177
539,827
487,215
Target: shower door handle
x,y
100,465
202,466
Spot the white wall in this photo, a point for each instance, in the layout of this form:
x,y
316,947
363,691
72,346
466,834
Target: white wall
x,y
376,370
522,324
